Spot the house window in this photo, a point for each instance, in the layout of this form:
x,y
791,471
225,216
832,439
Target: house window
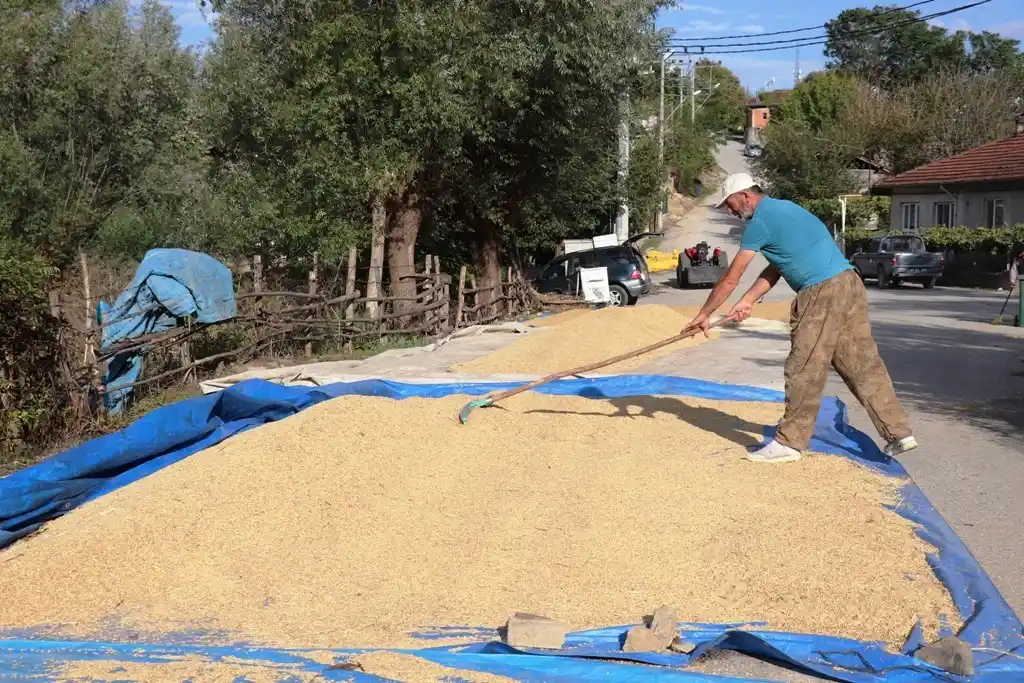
x,y
911,220
995,213
943,214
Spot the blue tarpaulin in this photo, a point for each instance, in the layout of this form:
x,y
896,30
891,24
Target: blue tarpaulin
x,y
30,497
171,287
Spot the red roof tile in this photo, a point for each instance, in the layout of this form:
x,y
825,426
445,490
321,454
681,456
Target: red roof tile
x,y
1001,160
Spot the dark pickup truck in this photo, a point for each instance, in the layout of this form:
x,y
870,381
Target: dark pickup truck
x,y
898,258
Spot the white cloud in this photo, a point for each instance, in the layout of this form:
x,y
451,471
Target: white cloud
x,y
957,24
707,9
701,26
751,28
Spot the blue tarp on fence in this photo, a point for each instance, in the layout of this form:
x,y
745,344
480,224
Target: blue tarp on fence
x,y
170,286
34,495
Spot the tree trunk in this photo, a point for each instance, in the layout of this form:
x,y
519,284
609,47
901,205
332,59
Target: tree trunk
x,y
379,223
406,219
487,260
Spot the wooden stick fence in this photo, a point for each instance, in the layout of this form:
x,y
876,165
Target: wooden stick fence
x,y
331,313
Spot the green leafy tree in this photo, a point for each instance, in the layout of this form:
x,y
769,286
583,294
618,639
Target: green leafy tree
x,y
723,98
94,105
819,100
888,46
542,164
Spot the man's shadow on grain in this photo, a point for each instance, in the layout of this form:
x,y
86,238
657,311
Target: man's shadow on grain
x,y
727,426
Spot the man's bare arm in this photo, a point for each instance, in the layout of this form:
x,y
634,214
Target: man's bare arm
x,y
765,281
722,290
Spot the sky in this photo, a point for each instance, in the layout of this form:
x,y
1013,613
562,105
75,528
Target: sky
x,y
735,17
750,17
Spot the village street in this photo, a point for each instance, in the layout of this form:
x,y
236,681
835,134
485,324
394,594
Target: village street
x,y
960,377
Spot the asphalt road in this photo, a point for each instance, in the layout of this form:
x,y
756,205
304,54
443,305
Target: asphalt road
x,y
960,377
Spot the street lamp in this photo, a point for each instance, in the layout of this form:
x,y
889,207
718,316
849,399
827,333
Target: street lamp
x,y
842,220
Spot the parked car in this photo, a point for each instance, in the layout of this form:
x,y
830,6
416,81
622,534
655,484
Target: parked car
x,y
628,276
898,258
753,149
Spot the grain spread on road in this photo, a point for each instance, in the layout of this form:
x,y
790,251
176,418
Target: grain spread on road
x,y
396,666
362,520
176,670
587,336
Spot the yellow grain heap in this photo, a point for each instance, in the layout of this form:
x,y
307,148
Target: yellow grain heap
x,y
363,519
586,336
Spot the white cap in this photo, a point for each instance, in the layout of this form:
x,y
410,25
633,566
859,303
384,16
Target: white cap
x,y
736,182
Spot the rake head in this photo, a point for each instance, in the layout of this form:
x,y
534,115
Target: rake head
x,y
469,407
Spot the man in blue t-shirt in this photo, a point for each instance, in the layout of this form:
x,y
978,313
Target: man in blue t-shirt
x,y
829,319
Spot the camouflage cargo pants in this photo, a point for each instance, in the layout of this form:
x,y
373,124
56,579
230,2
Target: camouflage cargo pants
x,y
829,326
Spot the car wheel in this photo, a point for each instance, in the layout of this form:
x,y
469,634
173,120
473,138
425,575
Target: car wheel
x,y
617,295
928,283
883,279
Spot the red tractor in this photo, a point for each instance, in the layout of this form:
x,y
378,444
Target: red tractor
x,y
700,266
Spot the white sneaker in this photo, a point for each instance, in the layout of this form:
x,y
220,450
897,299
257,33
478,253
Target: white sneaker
x,y
897,448
773,451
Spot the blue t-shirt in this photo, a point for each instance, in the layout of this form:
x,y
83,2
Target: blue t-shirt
x,y
795,242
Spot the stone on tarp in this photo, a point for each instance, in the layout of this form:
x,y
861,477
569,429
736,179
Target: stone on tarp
x,y
663,624
532,630
642,639
949,653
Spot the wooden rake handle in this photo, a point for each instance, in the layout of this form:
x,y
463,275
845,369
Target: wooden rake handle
x,y
491,400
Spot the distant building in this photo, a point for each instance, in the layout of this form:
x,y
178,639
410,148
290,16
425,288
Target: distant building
x,y
982,187
759,111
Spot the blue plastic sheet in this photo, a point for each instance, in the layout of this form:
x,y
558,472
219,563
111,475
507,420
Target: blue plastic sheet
x,y
169,287
51,488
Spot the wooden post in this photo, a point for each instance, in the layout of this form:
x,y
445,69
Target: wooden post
x,y
185,355
55,304
350,287
459,302
312,290
257,281
446,302
88,354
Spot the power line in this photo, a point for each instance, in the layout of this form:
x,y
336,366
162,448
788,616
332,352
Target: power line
x,y
815,40
796,30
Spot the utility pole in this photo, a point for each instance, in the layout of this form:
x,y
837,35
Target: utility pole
x,y
661,124
622,217
679,68
693,94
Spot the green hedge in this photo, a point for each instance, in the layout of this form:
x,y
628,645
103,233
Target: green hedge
x,y
997,240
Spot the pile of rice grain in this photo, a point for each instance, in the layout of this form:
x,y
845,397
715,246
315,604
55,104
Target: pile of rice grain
x,y
363,519
587,336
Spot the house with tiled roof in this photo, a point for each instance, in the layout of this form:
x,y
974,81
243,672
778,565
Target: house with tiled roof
x,y
759,110
982,187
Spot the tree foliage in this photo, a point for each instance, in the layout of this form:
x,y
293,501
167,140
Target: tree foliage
x,y
888,46
819,100
95,107
723,98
